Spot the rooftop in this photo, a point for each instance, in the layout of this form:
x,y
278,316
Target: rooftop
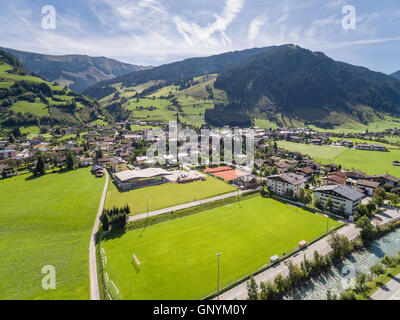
x,y
140,174
344,191
290,178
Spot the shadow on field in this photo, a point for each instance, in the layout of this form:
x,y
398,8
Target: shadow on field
x,y
33,177
109,235
135,266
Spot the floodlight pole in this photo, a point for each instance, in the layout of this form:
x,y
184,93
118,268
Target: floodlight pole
x,y
218,255
147,205
327,223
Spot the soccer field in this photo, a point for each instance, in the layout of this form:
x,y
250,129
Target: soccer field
x,y
166,195
371,162
178,258
47,221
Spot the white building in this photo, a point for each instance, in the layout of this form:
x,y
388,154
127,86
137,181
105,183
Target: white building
x,y
345,195
134,179
281,183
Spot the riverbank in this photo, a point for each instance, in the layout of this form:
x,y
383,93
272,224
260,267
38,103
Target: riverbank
x,y
339,278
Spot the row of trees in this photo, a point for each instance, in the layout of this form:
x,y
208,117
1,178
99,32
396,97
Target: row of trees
x,y
115,218
282,286
40,168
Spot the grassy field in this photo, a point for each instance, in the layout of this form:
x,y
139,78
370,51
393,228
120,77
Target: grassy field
x,y
265,124
351,126
47,221
357,141
37,108
318,153
178,258
371,162
166,195
16,77
161,111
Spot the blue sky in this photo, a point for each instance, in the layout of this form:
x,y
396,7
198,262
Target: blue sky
x,y
153,32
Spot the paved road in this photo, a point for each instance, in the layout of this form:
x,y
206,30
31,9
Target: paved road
x,y
187,205
390,214
94,285
390,291
240,292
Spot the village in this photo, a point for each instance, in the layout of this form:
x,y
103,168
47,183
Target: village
x,y
284,173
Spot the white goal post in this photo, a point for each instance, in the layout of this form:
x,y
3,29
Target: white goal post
x,y
136,260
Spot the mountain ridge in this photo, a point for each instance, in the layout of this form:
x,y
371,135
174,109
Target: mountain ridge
x,y
396,74
176,71
78,72
306,86
26,99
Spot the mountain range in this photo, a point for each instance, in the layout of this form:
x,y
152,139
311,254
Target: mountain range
x,y
77,72
284,85
273,86
306,86
177,71
26,99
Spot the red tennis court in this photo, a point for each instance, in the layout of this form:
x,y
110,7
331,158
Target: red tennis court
x,y
230,174
217,169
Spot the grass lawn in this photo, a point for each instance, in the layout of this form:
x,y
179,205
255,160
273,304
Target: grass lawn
x,y
178,258
166,195
358,141
161,112
16,77
318,153
351,126
371,162
47,221
37,108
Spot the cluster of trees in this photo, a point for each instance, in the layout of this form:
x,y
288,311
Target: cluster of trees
x,y
115,218
366,210
329,206
386,192
40,167
119,113
41,88
231,115
282,286
304,197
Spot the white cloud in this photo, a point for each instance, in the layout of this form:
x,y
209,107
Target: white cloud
x,y
193,33
255,26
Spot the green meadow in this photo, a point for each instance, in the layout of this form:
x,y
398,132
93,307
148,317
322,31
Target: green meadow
x,y
37,108
4,68
371,162
178,257
166,195
47,221
163,109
